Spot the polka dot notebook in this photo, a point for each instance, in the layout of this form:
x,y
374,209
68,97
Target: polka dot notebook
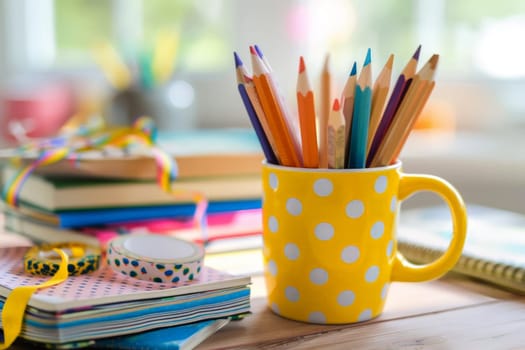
x,y
101,287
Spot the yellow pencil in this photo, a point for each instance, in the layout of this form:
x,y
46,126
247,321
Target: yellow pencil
x,y
164,55
112,65
379,95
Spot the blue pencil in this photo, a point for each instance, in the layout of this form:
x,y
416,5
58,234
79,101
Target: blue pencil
x,y
361,116
256,123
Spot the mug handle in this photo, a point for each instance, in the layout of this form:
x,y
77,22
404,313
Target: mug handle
x,y
404,271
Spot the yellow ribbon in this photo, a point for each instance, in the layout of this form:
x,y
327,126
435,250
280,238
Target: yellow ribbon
x,y
16,303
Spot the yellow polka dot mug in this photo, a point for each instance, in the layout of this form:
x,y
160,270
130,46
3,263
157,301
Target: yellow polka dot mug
x,y
329,235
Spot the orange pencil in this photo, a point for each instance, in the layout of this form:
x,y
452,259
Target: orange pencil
x,y
407,114
306,109
379,94
290,119
280,131
324,111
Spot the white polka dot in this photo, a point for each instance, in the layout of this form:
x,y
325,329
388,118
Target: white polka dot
x,y
317,317
275,308
350,254
294,206
393,204
318,276
355,209
371,274
324,231
377,230
346,298
273,224
272,267
389,248
384,291
365,315
291,251
380,184
274,181
323,187
292,294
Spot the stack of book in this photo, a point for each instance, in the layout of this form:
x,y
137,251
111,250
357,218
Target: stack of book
x,y
103,195
110,310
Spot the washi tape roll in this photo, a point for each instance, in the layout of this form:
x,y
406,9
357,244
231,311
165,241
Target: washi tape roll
x,y
43,260
156,258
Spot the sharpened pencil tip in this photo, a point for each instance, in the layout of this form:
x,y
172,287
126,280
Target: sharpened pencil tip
x,y
336,105
252,51
354,69
368,58
390,61
259,52
416,54
238,61
433,61
301,64
326,61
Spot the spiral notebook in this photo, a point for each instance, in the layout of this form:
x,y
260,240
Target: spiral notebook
x,y
494,251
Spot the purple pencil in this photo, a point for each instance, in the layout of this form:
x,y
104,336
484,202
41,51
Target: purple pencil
x,y
402,84
242,79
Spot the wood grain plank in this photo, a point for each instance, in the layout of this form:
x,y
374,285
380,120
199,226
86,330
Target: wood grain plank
x,y
405,301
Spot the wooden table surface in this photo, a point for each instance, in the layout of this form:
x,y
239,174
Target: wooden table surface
x,y
449,313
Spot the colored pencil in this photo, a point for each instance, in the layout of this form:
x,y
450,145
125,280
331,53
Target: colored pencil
x,y
307,122
347,102
263,58
164,56
114,68
242,82
336,137
145,71
256,104
361,116
291,120
407,114
281,133
400,88
379,95
324,111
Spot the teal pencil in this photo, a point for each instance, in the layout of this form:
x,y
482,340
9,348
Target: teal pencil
x,y
361,116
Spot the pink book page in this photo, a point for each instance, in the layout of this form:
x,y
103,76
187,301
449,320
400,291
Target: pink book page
x,y
101,287
220,226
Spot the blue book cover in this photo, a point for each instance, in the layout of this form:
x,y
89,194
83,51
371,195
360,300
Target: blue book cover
x,y
182,337
80,218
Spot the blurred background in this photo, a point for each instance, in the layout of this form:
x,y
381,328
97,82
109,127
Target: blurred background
x,y
470,131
